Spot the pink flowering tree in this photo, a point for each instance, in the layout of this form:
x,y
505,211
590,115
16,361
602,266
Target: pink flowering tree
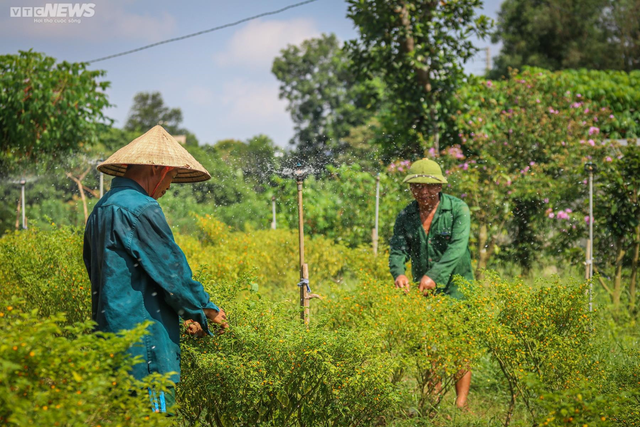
x,y
523,149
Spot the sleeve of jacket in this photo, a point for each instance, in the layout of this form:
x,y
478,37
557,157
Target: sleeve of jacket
x,y
441,271
398,248
153,245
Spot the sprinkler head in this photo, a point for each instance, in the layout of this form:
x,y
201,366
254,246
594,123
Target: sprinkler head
x,y
590,167
300,172
23,181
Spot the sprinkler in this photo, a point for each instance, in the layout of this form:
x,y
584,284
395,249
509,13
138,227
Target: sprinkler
x,y
300,173
23,182
590,168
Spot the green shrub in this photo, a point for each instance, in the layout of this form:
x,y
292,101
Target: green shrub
x,y
46,269
270,369
57,375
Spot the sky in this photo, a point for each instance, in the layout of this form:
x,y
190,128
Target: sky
x,y
221,81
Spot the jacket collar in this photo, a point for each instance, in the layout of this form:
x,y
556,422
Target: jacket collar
x,y
122,182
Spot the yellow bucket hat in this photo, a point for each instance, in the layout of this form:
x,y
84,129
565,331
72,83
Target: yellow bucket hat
x,y
156,148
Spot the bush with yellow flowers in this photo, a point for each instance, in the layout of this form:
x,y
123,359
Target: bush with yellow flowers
x,y
57,375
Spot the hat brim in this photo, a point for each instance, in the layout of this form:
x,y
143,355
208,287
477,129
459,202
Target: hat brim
x,y
184,175
424,179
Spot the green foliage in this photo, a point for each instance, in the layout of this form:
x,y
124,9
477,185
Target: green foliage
x,y
371,353
270,369
148,110
325,98
532,333
51,374
525,167
47,270
341,204
48,109
593,34
417,48
272,255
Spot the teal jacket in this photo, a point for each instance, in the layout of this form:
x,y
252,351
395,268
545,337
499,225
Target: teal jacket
x,y
138,273
442,254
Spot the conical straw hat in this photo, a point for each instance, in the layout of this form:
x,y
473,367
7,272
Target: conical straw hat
x,y
156,147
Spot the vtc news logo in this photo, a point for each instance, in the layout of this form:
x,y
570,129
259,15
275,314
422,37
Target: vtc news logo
x,y
54,10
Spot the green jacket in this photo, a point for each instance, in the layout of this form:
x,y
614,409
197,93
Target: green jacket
x,y
440,255
138,273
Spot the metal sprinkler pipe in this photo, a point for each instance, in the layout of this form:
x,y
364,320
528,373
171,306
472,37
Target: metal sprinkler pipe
x,y
590,168
23,182
375,229
273,210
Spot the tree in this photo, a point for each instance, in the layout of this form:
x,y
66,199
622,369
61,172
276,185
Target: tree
x,y
623,27
418,48
47,108
149,110
563,34
325,98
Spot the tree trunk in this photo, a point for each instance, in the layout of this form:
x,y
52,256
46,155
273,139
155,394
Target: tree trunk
x,y
617,282
484,251
634,271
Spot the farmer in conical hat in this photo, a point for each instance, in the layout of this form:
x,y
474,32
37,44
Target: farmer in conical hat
x,y
138,273
433,232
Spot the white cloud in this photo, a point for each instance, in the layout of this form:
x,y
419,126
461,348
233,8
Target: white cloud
x,y
257,43
111,21
252,102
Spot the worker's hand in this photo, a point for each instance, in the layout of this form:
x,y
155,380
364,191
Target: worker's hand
x,y
402,282
217,317
194,328
426,284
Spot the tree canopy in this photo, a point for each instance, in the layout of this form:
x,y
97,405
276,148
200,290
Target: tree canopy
x,y
418,48
47,108
325,98
564,34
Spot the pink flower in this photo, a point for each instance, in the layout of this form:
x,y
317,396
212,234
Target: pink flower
x,y
551,215
546,200
568,210
586,219
608,159
611,116
579,96
586,111
563,143
591,142
594,130
463,195
538,101
532,163
489,83
400,169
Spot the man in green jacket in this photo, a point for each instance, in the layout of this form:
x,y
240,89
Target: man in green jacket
x,y
432,232
137,271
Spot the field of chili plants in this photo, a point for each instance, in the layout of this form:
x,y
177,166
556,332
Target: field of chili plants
x,y
371,354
